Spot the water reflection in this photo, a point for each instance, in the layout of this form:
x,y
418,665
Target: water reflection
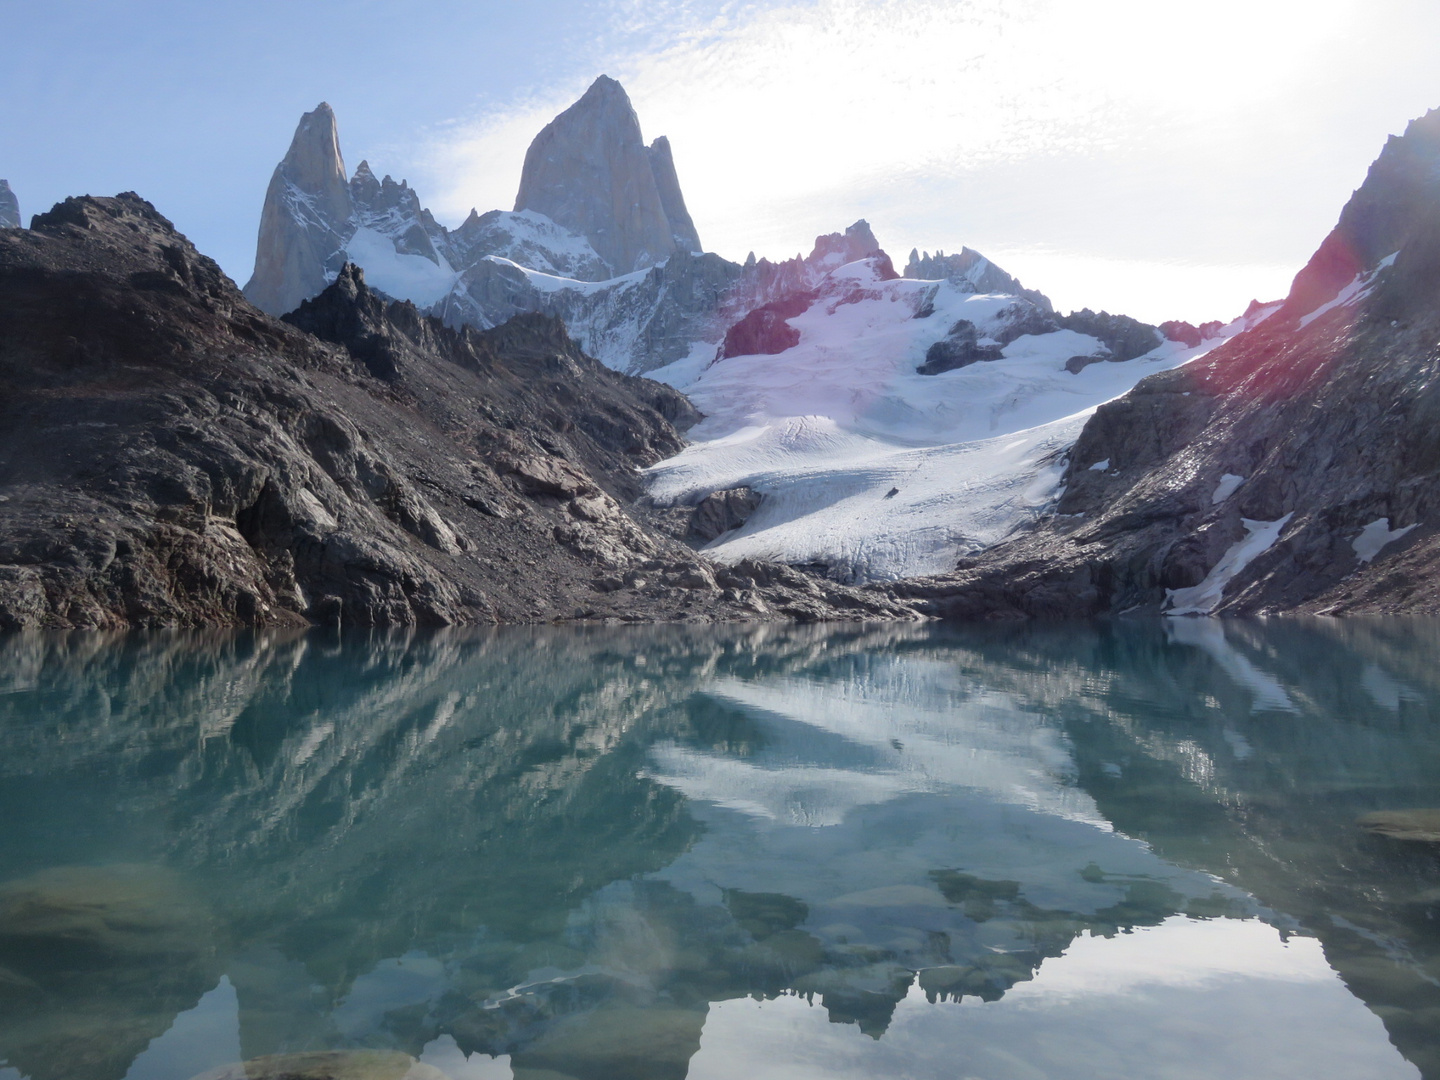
x,y
1122,850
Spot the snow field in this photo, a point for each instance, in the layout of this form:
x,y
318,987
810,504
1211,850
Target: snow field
x,y
867,466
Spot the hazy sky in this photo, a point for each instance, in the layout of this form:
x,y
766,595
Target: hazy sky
x,y
1160,158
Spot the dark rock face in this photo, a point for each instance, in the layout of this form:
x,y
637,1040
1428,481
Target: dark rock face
x,y
959,348
1124,337
1321,423
379,203
972,272
855,243
636,326
171,456
721,511
765,331
590,171
9,207
1181,331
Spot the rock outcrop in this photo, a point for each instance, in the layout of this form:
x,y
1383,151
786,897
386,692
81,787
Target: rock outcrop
x,y
667,182
971,271
590,171
9,207
1294,468
169,455
303,223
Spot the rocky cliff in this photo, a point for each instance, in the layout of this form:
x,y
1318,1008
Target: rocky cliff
x,y
600,188
1295,468
9,207
667,182
169,455
302,226
590,171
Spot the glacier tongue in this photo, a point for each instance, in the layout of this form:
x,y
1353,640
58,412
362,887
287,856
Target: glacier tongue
x,y
871,470
891,424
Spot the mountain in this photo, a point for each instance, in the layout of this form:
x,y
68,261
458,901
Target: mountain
x,y
1294,468
590,171
876,427
9,207
301,244
584,169
859,423
169,455
667,182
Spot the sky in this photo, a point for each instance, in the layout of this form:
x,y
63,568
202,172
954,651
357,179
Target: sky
x,y
1165,160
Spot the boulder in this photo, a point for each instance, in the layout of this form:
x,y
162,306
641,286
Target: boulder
x,y
721,511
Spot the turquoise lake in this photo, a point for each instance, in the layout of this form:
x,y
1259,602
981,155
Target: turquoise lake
x,y
760,852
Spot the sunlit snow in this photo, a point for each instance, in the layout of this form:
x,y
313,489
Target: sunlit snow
x,y
1375,536
1229,484
828,429
405,277
1204,598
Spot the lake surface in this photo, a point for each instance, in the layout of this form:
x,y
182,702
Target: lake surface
x,y
752,852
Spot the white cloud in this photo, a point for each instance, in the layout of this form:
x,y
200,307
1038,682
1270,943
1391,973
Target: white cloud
x,y
791,119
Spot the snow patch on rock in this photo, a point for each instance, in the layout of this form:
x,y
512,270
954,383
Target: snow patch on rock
x,y
1204,598
1352,293
1375,536
1229,484
402,276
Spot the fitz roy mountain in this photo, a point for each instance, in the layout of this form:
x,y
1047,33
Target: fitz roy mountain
x,y
829,441
570,411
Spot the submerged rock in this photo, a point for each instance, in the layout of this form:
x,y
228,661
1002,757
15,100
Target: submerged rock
x,y
1422,826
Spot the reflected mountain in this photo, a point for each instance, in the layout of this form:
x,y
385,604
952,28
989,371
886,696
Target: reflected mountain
x,y
553,852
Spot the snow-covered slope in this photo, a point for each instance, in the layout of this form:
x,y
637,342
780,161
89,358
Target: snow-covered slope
x,y
890,425
870,469
530,239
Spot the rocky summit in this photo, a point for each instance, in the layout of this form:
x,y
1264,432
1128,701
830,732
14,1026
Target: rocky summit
x,y
1296,468
301,242
9,207
590,171
170,455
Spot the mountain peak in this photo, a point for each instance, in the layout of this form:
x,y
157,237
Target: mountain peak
x,y
308,200
9,207
604,84
590,171
1392,211
314,160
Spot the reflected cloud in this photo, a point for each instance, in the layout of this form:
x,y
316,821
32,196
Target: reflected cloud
x,y
582,852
